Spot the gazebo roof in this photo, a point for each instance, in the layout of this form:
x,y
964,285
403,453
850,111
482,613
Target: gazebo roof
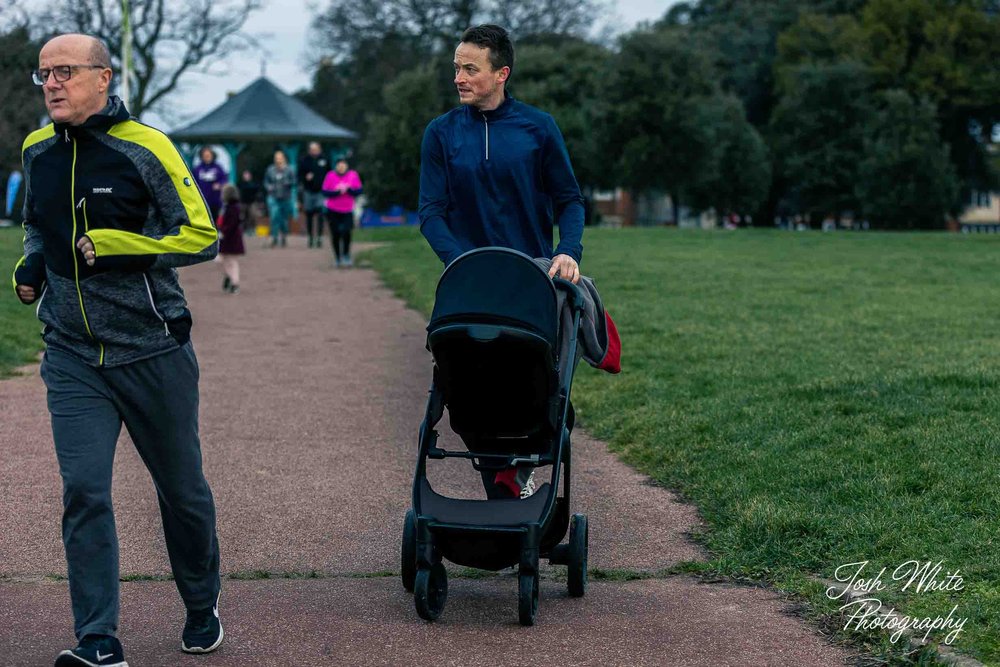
x,y
261,111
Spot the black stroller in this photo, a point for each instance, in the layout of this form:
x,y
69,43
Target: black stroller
x,y
504,373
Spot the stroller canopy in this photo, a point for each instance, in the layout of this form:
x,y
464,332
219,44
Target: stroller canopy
x,y
498,286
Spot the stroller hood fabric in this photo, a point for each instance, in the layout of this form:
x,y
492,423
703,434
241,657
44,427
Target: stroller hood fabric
x,y
497,285
492,283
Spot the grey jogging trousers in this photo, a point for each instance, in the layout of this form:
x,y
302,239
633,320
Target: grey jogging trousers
x,y
157,400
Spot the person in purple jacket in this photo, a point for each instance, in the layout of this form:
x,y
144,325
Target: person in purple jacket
x,y
210,177
495,172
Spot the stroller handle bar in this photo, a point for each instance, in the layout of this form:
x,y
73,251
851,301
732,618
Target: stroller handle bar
x,y
573,292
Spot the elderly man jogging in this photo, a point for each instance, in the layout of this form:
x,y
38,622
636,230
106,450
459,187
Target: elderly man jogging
x,y
111,211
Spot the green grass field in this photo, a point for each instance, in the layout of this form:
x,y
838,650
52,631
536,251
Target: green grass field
x,y
823,399
20,341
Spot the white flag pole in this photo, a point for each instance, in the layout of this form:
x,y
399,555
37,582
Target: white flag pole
x,y
126,53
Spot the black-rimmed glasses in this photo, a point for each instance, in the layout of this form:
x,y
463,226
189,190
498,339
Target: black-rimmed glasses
x,y
62,73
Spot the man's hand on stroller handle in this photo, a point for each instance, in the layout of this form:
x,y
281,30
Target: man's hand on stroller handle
x,y
566,268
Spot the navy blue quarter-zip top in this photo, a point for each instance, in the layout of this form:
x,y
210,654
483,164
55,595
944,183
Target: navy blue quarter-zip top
x,y
498,178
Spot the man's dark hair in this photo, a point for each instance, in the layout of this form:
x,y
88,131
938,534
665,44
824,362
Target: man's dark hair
x,y
494,38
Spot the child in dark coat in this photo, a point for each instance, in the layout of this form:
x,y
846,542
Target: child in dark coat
x,y
230,225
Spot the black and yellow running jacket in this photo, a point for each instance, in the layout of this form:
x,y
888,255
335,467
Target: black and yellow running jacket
x,y
124,185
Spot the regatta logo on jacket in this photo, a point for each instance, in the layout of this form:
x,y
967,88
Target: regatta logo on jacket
x,y
102,191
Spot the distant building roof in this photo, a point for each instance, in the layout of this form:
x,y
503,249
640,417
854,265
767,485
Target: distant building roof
x,y
261,111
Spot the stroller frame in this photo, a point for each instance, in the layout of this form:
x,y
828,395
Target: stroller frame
x,y
498,533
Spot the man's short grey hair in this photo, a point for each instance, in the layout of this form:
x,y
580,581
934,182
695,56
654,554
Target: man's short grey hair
x,y
99,53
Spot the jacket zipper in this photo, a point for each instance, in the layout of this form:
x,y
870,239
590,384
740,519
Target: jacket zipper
x,y
487,124
149,291
76,265
38,307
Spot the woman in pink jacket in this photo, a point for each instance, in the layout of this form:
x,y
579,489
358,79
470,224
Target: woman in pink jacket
x,y
341,186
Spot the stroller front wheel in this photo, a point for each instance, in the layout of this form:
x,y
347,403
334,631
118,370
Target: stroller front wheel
x,y
576,577
430,591
408,551
527,598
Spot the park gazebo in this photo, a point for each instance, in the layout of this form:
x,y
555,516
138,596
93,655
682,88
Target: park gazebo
x,y
262,112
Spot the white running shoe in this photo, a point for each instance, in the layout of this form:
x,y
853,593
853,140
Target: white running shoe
x,y
529,486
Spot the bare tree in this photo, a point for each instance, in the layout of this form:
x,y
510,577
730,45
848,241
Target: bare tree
x,y
346,24
549,17
437,24
169,37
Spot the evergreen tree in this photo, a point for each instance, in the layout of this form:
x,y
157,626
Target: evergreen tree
x,y
905,180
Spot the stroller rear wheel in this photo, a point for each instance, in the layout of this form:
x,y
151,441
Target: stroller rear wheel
x,y
408,551
576,578
430,591
527,598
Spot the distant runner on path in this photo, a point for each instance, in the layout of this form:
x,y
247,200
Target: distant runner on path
x,y
279,180
312,170
341,186
211,177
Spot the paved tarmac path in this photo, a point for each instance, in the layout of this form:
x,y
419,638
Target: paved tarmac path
x,y
313,382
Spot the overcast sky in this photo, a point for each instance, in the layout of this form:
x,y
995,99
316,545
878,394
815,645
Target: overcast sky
x,y
282,27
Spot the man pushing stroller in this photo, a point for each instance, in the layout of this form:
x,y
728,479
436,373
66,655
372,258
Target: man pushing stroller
x,y
495,172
